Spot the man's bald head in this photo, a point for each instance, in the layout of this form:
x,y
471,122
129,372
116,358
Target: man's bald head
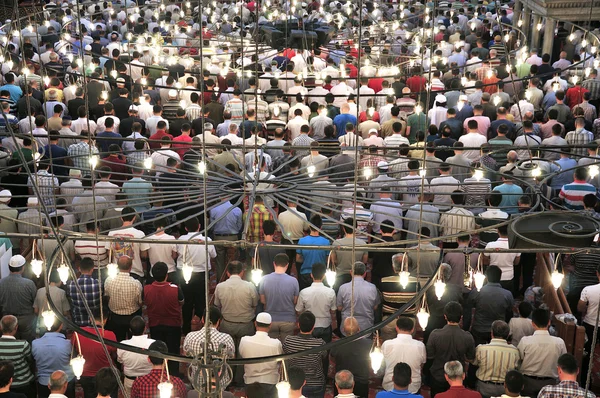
x,y
8,325
512,156
351,326
124,263
58,382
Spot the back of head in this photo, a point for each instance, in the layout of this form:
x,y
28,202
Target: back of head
x,y
296,378
493,274
344,379
453,312
454,370
158,346
306,321
513,381
402,375
540,318
7,371
106,382
567,363
137,325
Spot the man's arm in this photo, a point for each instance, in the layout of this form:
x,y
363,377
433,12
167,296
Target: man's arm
x,y
263,299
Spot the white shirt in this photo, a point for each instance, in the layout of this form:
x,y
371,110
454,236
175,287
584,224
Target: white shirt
x,y
135,365
107,189
403,349
320,300
159,158
472,140
152,121
163,252
504,261
591,295
102,120
82,124
294,126
444,185
341,91
130,232
195,255
260,345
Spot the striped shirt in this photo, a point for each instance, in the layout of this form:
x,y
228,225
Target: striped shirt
x,y
573,194
237,109
456,220
476,191
495,360
96,251
18,352
584,272
311,363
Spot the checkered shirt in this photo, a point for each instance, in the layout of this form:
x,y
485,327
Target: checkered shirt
x,y
259,214
90,287
125,294
147,386
80,155
193,346
593,85
564,389
302,140
579,139
46,184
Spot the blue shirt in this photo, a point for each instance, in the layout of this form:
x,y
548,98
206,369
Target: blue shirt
x,y
58,155
564,177
227,219
340,122
396,393
15,91
279,291
510,197
106,138
51,352
311,256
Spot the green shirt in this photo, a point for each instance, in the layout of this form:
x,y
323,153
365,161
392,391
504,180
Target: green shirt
x,y
417,122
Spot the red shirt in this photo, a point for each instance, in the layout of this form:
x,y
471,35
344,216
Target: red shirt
x,y
416,84
289,53
162,303
118,167
376,83
353,71
459,392
363,117
181,144
574,96
158,136
147,386
92,351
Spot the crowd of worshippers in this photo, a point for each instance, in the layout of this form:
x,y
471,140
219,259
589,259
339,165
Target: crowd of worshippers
x,y
473,344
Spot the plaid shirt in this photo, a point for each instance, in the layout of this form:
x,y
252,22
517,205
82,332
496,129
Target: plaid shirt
x,y
125,294
90,287
593,85
258,215
135,157
80,155
147,386
302,140
564,389
46,184
193,345
579,139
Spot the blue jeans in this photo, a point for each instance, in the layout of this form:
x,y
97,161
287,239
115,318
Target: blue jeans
x,y
313,391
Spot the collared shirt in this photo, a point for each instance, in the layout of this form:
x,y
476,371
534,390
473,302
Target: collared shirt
x,y
456,220
566,388
403,349
47,185
80,155
193,344
446,344
195,255
90,287
227,218
258,215
147,386
495,360
18,352
519,328
578,139
17,295
386,209
52,352
293,224
539,354
311,363
501,259
260,345
491,303
125,294
136,192
320,300
237,299
396,393
366,298
590,295
135,365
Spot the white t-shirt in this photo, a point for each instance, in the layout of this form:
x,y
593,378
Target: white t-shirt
x,y
504,261
121,247
591,295
163,252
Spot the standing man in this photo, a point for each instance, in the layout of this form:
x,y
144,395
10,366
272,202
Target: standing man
x,y
365,295
228,224
539,353
90,287
194,256
17,295
588,307
135,365
18,352
279,294
567,374
120,246
52,352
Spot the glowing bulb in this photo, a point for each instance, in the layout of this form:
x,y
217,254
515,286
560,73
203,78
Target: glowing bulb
x,y
376,359
114,73
520,23
418,109
557,279
497,100
283,389
404,278
148,163
256,275
479,279
77,365
165,388
587,72
528,95
276,111
593,170
584,43
368,173
15,33
571,37
202,167
144,81
112,270
594,49
575,79
49,319
539,27
440,288
93,161
63,273
36,267
423,318
311,170
473,26
536,172
187,272
330,277
104,95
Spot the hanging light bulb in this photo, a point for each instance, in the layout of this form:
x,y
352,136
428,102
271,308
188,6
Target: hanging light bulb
x,y
77,365
404,279
256,275
330,277
148,163
49,318
63,272
283,389
165,388
539,27
571,37
368,173
36,267
520,23
187,272
478,174
557,278
311,170
423,318
418,109
93,161
112,269
202,167
376,358
536,172
440,288
497,100
422,172
593,170
584,43
479,279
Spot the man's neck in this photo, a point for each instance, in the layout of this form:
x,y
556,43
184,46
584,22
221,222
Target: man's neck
x,y
279,270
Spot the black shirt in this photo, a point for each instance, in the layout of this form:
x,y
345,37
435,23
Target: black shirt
x,y
23,105
175,126
215,112
122,105
125,126
355,358
382,261
73,105
450,343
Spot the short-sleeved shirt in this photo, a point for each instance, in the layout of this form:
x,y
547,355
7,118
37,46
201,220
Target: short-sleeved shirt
x,y
133,249
279,291
92,351
320,300
59,298
311,256
162,303
591,295
344,257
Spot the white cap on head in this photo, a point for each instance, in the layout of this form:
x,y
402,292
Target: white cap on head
x,y
5,195
173,93
133,108
383,165
264,318
32,201
17,261
74,173
373,131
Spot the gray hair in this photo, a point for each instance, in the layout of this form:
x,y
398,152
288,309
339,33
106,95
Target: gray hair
x,y
500,329
445,272
360,268
397,262
57,381
344,379
8,324
454,370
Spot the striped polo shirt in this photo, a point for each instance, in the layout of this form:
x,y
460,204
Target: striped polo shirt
x,y
495,360
18,352
574,192
311,363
